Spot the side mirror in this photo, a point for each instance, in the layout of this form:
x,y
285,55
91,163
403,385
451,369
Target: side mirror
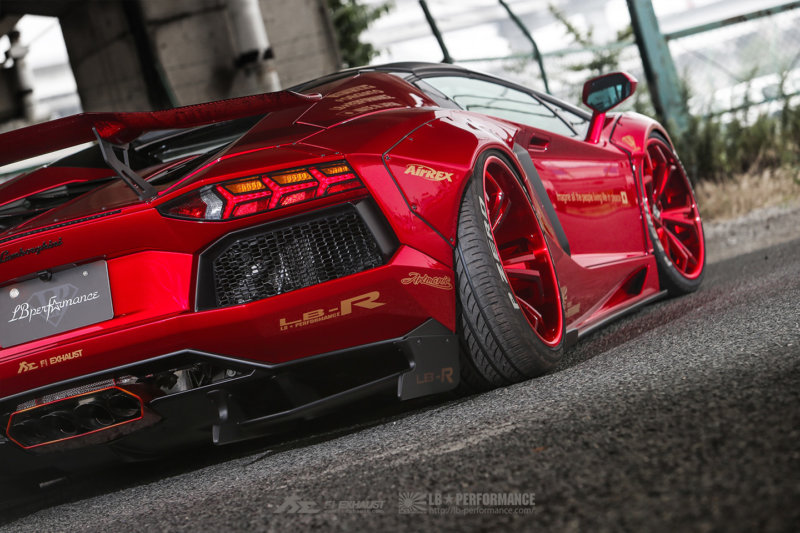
x,y
603,93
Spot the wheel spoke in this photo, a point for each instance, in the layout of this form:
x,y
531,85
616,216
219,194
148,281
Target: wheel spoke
x,y
533,315
524,258
665,178
521,278
681,248
497,202
524,274
674,214
500,210
663,156
662,237
683,216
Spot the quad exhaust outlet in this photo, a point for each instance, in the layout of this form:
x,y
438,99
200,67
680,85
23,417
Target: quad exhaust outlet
x,y
74,416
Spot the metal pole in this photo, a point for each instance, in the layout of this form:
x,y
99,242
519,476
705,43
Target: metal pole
x,y
435,29
536,55
662,76
17,52
159,89
752,15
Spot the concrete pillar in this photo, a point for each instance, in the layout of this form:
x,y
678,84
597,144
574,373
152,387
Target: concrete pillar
x,y
254,59
104,57
151,54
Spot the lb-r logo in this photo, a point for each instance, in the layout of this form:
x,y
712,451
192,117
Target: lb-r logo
x,y
345,307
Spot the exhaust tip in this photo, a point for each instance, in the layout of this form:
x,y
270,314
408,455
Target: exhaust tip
x,y
62,423
31,430
74,416
123,405
94,414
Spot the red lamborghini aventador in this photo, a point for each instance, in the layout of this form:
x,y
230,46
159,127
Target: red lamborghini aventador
x,y
214,271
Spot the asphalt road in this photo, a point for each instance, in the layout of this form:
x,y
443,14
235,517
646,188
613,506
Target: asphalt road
x,y
682,417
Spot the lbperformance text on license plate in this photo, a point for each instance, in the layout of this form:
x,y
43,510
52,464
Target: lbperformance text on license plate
x,y
70,299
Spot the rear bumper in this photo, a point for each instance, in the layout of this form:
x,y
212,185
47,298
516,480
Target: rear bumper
x,y
162,304
357,310
276,358
262,398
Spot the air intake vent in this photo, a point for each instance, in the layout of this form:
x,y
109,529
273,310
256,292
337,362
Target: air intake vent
x,y
284,259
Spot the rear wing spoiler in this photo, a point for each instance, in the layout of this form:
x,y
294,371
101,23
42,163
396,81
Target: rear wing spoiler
x,y
121,128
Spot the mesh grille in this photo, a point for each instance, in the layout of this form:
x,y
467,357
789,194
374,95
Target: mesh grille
x,y
66,393
290,258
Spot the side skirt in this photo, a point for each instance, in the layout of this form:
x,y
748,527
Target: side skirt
x,y
574,335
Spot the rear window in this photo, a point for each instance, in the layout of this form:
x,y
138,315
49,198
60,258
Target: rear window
x,y
500,101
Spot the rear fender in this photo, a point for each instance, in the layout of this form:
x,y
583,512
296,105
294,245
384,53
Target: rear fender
x,y
432,164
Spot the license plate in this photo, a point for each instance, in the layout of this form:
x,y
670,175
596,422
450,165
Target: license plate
x,y
70,299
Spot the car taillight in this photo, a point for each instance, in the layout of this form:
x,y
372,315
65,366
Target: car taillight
x,y
257,194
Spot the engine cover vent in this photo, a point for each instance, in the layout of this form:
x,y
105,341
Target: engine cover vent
x,y
278,260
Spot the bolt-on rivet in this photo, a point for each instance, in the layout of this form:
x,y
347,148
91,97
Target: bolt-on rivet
x,y
14,292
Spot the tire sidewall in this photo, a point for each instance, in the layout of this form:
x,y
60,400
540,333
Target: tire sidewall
x,y
510,310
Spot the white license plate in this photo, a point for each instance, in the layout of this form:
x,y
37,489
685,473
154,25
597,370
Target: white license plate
x,y
71,299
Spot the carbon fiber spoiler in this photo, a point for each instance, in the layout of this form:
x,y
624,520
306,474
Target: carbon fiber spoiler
x,y
121,128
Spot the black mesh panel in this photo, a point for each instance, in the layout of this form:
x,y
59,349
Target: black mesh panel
x,y
290,258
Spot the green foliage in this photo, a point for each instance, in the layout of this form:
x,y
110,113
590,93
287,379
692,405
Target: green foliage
x,y
718,148
350,19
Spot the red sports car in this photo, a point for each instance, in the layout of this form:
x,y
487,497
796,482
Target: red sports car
x,y
216,271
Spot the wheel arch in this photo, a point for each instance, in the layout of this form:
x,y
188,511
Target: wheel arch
x,y
433,181
630,132
524,333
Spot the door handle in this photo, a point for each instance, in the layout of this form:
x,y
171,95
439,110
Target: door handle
x,y
539,144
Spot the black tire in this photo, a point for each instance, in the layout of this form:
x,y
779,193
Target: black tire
x,y
498,344
671,278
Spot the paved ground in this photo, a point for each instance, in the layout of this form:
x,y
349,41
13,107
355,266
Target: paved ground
x,y
682,417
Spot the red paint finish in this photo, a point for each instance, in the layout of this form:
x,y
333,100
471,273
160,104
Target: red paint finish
x,y
363,95
122,127
409,157
155,320
593,190
48,178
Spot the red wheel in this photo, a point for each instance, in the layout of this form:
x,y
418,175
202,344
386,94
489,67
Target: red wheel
x,y
511,316
673,219
523,253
